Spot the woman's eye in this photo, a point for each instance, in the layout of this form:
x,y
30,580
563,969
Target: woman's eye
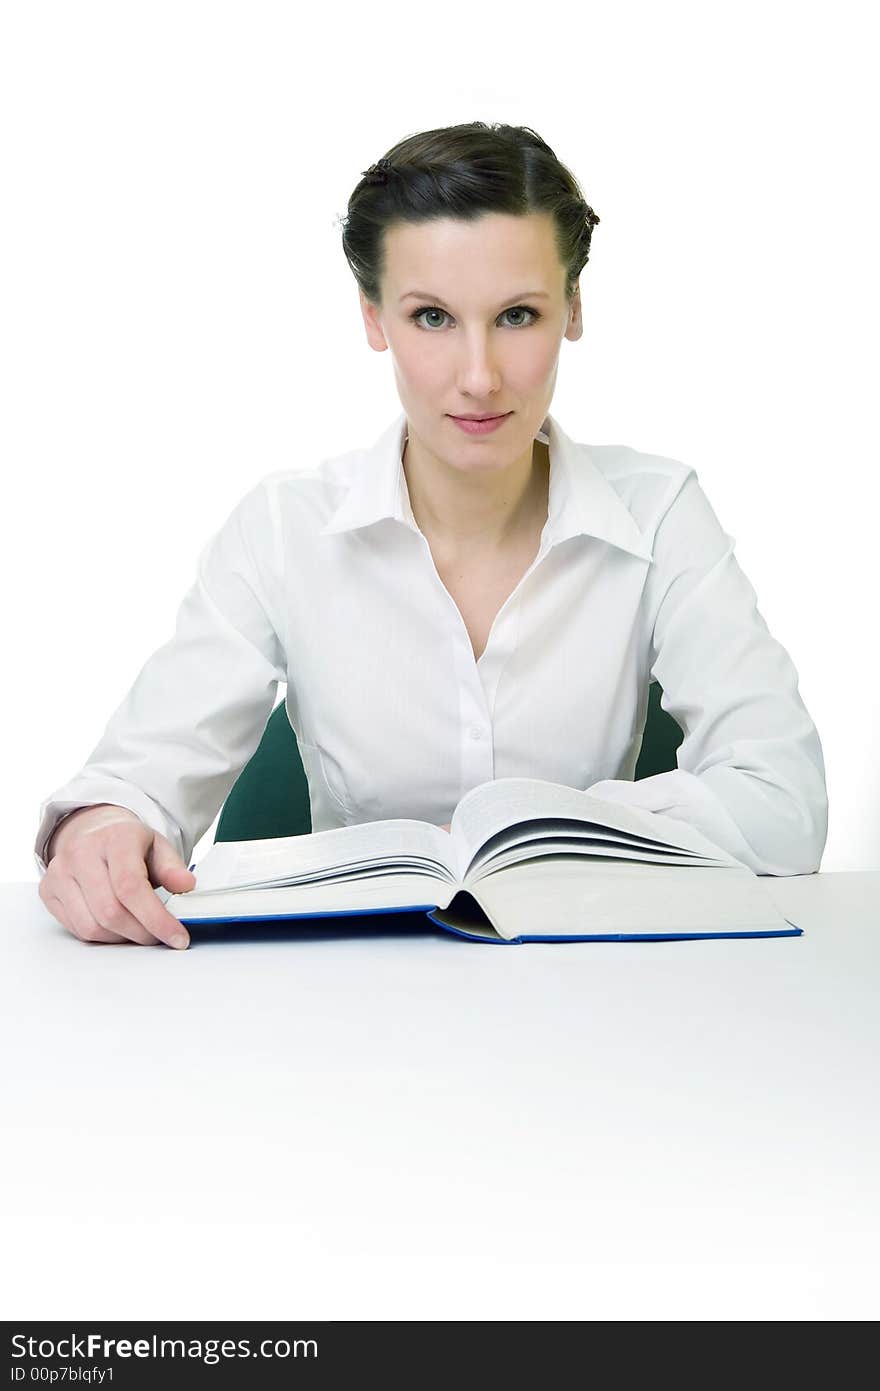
x,y
517,309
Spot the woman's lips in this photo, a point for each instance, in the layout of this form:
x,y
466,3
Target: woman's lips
x,y
480,427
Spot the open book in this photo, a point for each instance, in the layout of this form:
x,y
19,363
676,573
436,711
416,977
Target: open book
x,y
526,861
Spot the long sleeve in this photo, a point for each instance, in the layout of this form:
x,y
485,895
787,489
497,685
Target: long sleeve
x,y
751,772
196,712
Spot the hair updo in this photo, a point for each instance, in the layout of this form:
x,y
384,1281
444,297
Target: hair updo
x,y
464,172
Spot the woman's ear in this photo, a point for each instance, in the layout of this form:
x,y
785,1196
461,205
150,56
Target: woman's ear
x,y
574,325
375,332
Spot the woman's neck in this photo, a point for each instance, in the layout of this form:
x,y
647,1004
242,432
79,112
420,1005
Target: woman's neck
x,y
477,512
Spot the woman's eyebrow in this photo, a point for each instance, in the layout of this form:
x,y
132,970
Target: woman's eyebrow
x,y
524,294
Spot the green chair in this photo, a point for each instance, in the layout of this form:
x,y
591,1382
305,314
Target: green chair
x,y
271,795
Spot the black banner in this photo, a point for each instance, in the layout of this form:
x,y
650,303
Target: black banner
x,y
348,1354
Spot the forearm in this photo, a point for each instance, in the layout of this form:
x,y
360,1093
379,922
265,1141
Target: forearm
x,y
772,828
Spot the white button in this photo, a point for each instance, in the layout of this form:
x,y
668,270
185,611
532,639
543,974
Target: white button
x,y
475,732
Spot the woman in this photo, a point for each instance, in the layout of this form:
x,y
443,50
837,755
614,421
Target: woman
x,y
460,602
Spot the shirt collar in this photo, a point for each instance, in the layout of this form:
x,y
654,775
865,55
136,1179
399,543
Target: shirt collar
x,y
581,500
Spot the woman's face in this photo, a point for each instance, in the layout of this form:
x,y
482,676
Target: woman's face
x,y
482,334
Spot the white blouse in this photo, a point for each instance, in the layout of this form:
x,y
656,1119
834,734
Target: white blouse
x,y
321,578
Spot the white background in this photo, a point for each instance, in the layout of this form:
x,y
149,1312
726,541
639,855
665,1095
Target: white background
x,y
178,317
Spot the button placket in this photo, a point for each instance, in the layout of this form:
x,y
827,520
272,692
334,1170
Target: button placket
x,y
478,681
475,741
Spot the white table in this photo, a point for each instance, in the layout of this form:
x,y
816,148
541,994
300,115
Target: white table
x,y
328,1125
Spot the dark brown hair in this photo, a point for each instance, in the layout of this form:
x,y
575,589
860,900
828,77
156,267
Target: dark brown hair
x,y
464,172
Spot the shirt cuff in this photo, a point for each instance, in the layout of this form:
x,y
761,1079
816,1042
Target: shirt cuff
x,y
56,810
687,797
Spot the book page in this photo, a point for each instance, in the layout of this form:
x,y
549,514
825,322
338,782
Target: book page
x,y
505,804
377,893
545,843
567,897
344,852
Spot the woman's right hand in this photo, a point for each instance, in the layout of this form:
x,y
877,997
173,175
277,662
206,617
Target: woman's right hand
x,y
103,866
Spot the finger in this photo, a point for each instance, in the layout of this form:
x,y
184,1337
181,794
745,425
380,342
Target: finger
x,y
92,875
165,869
135,892
74,916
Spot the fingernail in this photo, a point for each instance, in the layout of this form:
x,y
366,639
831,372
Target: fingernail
x,y
179,939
